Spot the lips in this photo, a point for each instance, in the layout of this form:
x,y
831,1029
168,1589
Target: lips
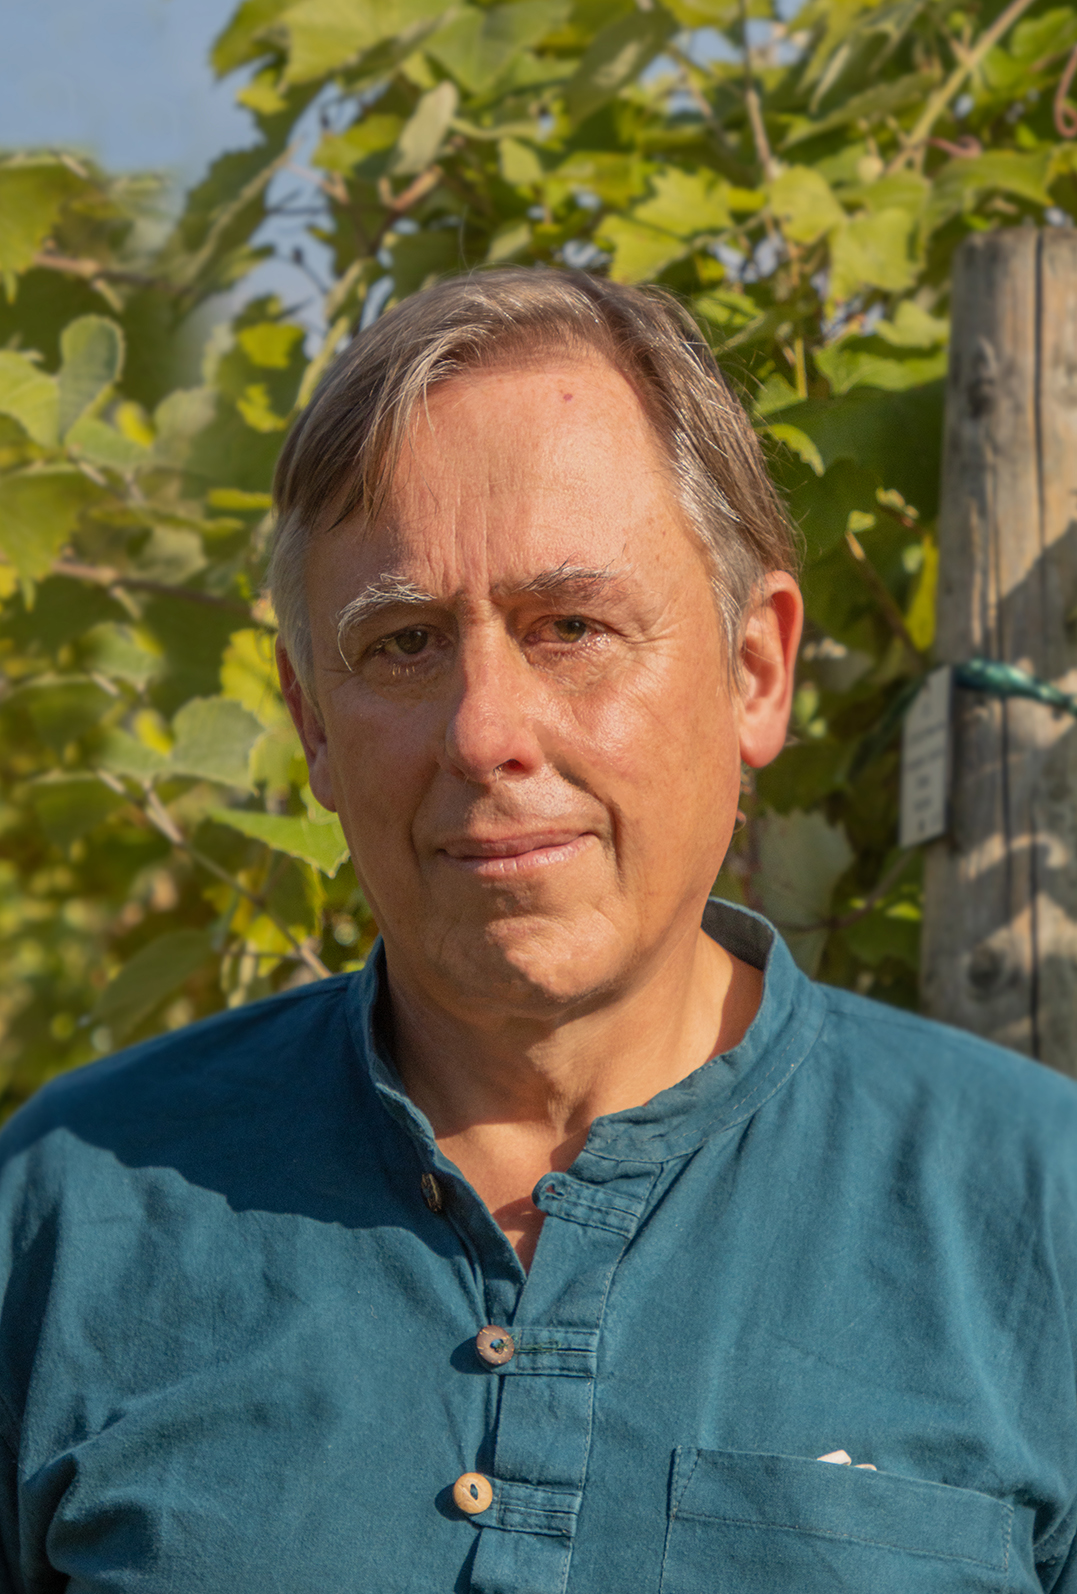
x,y
502,855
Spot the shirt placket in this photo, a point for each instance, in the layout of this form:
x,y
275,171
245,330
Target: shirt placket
x,y
543,1428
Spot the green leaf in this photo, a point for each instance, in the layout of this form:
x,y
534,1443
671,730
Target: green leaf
x,y
123,754
476,46
70,806
419,258
801,859
39,509
62,707
341,152
270,344
234,498
214,737
29,396
422,137
155,971
244,39
901,191
800,443
961,183
861,363
804,205
326,34
256,408
121,653
510,240
872,251
615,178
913,328
920,616
872,105
319,844
615,58
102,444
519,163
32,195
774,395
639,252
171,555
92,350
685,203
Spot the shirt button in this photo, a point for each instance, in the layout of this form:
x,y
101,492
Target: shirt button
x,y
432,1192
494,1345
472,1493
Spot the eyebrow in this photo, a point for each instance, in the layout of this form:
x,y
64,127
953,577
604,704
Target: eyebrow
x,y
392,592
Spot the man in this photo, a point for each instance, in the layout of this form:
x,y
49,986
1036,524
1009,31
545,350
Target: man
x,y
571,1248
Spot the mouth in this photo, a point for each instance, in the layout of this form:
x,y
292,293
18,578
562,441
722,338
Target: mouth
x,y
494,858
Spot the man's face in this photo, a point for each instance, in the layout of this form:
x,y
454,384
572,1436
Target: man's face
x,y
530,738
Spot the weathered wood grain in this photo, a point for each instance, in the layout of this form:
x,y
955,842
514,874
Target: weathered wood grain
x,y
1000,924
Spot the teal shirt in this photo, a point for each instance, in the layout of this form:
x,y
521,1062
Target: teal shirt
x,y
243,1288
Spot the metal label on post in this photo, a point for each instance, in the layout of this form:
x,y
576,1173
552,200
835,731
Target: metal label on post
x,y
925,761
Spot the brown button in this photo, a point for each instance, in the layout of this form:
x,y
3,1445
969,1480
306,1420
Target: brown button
x,y
472,1493
432,1192
494,1345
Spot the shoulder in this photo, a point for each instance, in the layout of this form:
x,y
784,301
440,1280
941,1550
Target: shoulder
x,y
212,1072
974,1097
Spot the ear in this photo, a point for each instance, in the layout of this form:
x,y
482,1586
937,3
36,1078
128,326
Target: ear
x,y
768,658
308,722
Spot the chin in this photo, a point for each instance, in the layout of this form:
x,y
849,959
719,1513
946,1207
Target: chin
x,y
535,966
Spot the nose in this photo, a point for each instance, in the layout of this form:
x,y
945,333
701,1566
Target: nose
x,y
491,730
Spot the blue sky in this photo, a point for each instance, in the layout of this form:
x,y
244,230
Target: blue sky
x,y
124,80
129,82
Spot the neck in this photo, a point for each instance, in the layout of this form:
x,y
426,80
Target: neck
x,y
510,1099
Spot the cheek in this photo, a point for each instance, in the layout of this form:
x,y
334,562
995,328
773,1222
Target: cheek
x,y
669,728
376,756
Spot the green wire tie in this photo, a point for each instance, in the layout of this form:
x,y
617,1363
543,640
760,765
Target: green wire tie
x,y
1006,680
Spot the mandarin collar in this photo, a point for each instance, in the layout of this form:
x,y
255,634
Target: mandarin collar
x,y
722,1093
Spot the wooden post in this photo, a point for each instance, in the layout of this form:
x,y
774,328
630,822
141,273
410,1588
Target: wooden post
x,y
1000,919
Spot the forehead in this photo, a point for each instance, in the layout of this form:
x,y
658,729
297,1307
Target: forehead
x,y
521,469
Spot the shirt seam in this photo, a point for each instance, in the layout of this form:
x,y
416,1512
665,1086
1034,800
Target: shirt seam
x,y
847,1538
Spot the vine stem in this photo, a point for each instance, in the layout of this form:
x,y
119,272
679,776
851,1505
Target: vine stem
x,y
161,820
968,61
102,576
754,106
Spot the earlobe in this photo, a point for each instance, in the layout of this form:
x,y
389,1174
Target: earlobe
x,y
768,665
308,723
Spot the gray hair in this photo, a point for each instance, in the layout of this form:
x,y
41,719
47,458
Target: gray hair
x,y
340,456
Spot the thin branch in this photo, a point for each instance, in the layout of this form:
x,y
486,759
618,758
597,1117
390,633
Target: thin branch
x,y
721,140
417,189
93,270
102,576
321,361
225,217
1064,115
891,613
754,105
161,820
938,102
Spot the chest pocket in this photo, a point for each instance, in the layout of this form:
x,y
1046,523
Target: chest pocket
x,y
744,1523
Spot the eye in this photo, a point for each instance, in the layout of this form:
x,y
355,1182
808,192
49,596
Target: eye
x,y
409,642
571,628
